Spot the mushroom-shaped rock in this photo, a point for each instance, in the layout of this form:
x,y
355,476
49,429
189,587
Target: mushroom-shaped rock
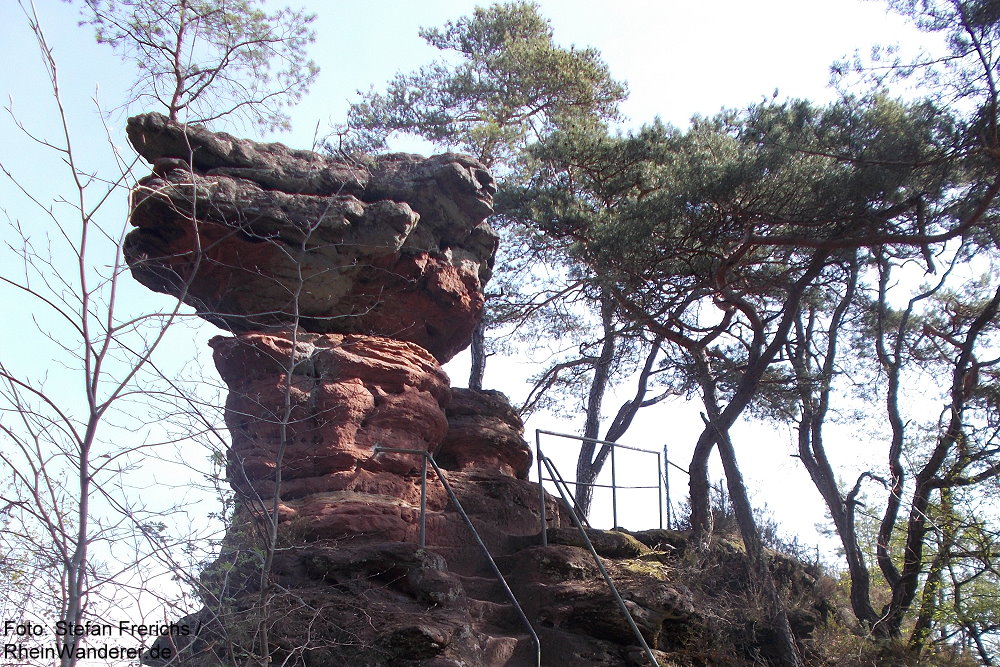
x,y
259,236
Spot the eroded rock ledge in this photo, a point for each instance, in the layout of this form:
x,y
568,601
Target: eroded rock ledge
x,y
257,236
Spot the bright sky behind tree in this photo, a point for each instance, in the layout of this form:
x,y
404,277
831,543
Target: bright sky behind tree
x,y
678,58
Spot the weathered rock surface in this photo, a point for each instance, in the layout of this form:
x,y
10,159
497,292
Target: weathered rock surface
x,y
563,589
318,405
257,236
360,600
484,432
346,283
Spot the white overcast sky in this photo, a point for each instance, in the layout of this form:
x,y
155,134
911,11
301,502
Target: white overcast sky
x,y
678,58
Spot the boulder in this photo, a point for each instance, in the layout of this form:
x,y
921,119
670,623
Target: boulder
x,y
485,433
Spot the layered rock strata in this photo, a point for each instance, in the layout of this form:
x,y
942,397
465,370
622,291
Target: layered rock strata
x,y
258,236
345,283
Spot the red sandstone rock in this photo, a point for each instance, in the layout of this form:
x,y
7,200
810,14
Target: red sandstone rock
x,y
484,433
257,236
346,394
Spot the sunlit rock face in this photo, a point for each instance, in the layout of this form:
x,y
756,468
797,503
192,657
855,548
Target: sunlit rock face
x,y
345,284
259,236
484,433
319,405
316,406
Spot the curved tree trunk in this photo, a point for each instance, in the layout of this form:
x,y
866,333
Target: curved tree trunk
x,y
749,533
760,358
619,425
587,468
814,374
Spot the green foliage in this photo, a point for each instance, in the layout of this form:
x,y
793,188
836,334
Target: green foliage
x,y
744,236
206,59
511,84
783,176
707,230
968,546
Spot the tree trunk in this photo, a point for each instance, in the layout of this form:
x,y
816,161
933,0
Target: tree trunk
x,y
932,585
716,431
619,426
760,358
814,384
478,349
904,588
700,490
587,467
750,535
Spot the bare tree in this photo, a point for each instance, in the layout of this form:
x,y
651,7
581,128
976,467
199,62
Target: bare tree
x,y
206,59
76,429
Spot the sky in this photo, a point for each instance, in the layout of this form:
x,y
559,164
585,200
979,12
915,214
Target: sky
x,y
678,58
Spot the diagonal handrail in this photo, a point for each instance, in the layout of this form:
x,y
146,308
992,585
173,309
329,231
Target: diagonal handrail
x,y
428,458
614,446
557,478
600,564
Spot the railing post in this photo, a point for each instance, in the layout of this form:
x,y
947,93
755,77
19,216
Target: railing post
x,y
666,484
659,490
662,484
541,489
423,502
614,491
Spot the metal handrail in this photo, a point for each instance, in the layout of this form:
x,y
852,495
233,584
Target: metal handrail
x,y
665,480
614,482
603,486
558,479
600,564
427,457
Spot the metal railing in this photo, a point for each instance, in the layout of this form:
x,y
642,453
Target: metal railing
x,y
569,500
557,479
544,460
428,458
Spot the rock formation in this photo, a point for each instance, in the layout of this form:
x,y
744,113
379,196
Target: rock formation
x,y
344,283
257,236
